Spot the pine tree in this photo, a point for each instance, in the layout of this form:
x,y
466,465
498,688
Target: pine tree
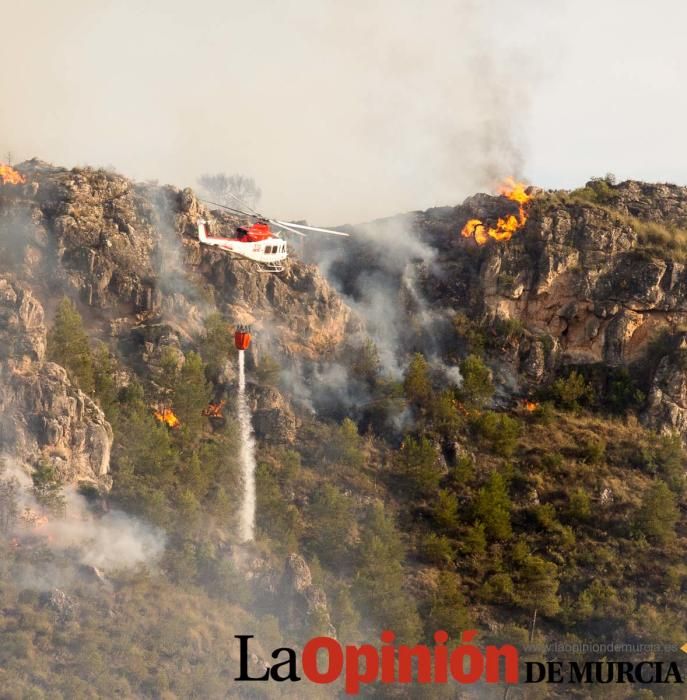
x,y
191,394
445,510
536,583
68,346
445,416
366,365
330,514
418,463
104,382
477,387
447,607
493,508
658,513
417,385
347,446
379,578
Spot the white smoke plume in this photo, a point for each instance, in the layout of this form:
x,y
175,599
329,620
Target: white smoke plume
x,y
182,303
341,112
113,541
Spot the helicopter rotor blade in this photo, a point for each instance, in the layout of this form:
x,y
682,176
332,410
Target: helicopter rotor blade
x,y
232,210
287,228
310,228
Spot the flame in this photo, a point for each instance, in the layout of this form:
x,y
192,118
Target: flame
x,y
168,417
506,226
9,176
214,410
530,405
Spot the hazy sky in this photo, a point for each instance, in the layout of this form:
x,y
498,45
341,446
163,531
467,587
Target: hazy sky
x,y
348,110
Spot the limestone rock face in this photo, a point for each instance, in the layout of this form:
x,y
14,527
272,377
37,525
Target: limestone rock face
x,y
583,281
667,401
42,414
128,255
305,600
129,252
22,332
274,420
577,274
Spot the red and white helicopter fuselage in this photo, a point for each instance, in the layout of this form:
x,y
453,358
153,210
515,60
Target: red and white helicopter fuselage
x,y
256,242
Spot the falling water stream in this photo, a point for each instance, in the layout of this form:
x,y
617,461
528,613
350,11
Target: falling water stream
x,y
247,514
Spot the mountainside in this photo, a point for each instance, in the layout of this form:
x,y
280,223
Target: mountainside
x,y
449,435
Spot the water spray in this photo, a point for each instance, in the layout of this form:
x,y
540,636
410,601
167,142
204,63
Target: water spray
x,y
247,449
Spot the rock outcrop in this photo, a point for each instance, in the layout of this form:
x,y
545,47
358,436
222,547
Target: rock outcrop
x,y
42,414
590,279
274,420
129,251
305,601
666,408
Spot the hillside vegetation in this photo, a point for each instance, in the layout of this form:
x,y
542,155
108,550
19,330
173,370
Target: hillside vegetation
x,y
532,501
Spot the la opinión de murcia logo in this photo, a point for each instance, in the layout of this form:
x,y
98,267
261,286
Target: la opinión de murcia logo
x,y
324,660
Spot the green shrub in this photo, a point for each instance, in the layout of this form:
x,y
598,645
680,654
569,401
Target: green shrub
x,y
416,384
571,391
445,510
658,513
498,589
579,506
544,413
418,464
477,387
664,456
546,517
68,345
593,450
493,507
499,431
437,549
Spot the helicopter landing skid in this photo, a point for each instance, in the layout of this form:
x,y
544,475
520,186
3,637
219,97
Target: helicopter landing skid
x,y
270,267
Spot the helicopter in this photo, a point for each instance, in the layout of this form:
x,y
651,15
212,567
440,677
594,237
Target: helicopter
x,y
258,241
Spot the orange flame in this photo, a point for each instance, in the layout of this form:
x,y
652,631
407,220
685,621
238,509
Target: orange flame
x,y
530,406
168,417
505,226
214,410
9,176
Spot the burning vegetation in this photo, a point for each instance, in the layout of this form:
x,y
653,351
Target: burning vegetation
x,y
9,176
214,410
506,226
168,417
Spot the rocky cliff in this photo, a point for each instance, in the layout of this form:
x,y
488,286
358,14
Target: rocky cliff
x,y
43,416
127,253
595,277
